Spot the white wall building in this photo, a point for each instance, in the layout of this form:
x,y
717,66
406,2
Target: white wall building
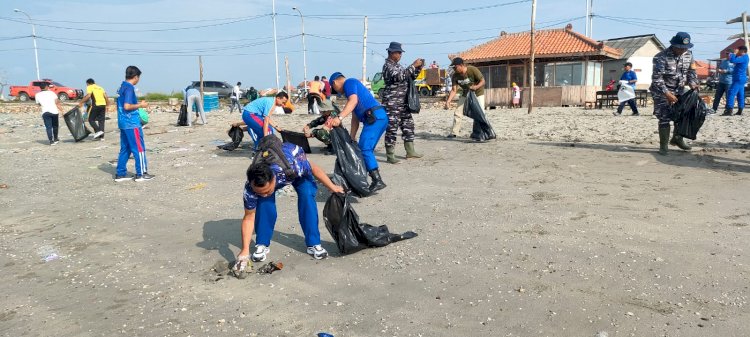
x,y
638,50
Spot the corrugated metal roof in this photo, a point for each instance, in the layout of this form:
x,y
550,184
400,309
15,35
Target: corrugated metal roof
x,y
551,42
629,45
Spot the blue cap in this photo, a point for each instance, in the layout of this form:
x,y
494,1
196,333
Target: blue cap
x,y
334,76
681,40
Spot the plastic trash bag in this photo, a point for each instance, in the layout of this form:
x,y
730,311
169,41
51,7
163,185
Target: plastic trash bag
x,y
236,134
296,138
182,119
144,116
74,121
482,130
689,114
412,98
350,235
350,171
626,92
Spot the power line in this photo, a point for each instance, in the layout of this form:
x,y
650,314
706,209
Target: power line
x,y
143,22
659,19
409,43
141,30
652,26
162,42
664,24
405,15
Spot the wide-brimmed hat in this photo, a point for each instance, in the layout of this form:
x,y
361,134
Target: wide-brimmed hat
x,y
395,47
681,40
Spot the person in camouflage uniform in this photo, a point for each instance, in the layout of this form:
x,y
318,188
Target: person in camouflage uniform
x,y
327,111
673,69
397,80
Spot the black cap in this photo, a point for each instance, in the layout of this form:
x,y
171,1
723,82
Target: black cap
x,y
395,47
628,64
457,61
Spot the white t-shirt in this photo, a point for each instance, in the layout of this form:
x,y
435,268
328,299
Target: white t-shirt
x,y
236,91
47,100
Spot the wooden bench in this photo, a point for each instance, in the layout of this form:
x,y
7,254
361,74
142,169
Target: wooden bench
x,y
608,98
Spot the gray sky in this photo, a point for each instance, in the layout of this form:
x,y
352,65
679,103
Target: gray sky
x,y
82,39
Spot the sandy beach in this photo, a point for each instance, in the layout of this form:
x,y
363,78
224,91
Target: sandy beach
x,y
569,224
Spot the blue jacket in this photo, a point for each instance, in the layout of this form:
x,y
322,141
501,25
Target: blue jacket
x,y
739,75
726,78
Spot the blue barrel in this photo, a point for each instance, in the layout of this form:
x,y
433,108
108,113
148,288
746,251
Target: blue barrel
x,y
210,101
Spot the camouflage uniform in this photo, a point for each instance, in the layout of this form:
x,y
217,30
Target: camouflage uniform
x,y
397,80
671,74
321,134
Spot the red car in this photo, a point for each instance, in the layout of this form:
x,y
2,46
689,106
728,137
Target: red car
x,y
24,93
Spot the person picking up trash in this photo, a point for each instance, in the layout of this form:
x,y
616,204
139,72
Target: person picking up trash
x,y
98,108
363,107
276,166
327,112
257,116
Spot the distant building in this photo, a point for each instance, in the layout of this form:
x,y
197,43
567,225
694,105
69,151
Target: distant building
x,y
638,50
723,54
567,69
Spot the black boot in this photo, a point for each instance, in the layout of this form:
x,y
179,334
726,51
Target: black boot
x,y
727,112
377,182
739,112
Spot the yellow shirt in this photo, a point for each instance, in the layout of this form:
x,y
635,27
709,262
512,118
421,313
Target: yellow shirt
x,y
316,86
97,94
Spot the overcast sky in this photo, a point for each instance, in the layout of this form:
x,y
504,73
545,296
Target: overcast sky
x,y
82,39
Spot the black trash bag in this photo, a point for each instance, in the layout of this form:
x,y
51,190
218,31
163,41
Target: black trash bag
x,y
350,171
412,98
74,121
350,235
689,114
482,130
236,134
296,138
182,119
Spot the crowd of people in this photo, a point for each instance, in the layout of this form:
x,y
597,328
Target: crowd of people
x,y
673,71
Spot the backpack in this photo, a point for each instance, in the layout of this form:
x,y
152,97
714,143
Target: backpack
x,y
270,151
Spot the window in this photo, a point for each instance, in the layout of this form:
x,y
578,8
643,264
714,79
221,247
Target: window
x,y
37,84
594,74
568,74
486,74
542,75
498,77
517,75
377,77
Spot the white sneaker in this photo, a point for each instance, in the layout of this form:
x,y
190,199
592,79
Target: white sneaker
x,y
98,134
317,252
260,254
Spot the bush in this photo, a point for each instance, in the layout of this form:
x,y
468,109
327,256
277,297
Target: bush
x,y
157,96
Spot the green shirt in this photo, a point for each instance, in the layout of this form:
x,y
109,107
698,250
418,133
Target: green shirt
x,y
472,77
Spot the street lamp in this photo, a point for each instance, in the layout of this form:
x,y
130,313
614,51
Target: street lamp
x,y
304,48
33,36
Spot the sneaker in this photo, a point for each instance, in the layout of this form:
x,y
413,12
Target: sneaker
x,y
54,142
120,179
261,252
317,252
451,136
144,177
635,114
98,134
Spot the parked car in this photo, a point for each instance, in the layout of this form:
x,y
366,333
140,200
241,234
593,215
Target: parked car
x,y
24,93
223,88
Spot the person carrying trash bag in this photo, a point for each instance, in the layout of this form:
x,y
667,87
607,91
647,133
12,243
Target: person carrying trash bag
x,y
625,95
397,80
470,79
363,107
673,68
51,109
276,166
257,116
481,129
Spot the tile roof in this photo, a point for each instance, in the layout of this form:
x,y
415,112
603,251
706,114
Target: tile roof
x,y
702,69
629,45
562,42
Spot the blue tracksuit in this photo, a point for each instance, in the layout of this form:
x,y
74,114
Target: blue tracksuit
x,y
254,114
265,207
739,78
131,132
371,133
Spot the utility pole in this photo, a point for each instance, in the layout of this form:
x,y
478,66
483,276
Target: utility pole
x,y
531,67
200,69
33,36
288,76
364,54
275,44
587,18
590,18
742,18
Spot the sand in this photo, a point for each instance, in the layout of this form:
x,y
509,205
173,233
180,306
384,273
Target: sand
x,y
569,224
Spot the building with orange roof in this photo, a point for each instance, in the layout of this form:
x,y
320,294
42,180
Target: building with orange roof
x,y
567,69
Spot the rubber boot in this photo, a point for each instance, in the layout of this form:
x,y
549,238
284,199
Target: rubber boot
x,y
739,112
679,142
410,152
663,140
390,154
727,112
377,182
